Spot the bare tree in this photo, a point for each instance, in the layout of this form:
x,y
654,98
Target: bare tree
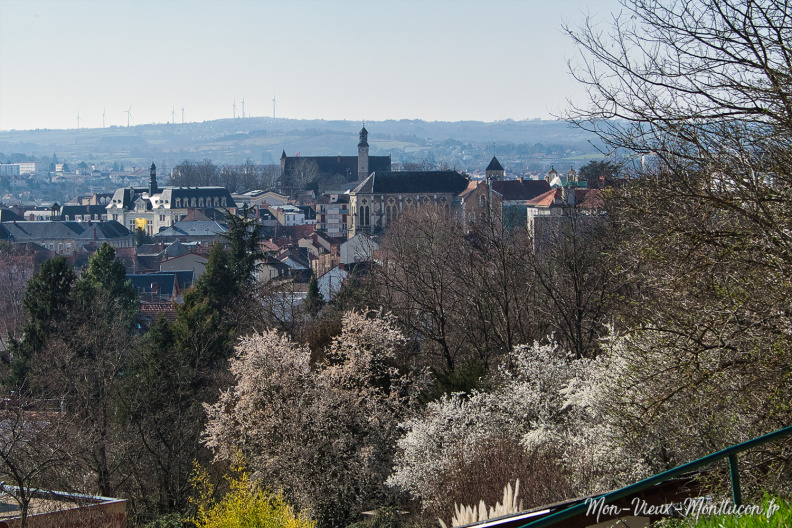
x,y
698,93
37,448
418,280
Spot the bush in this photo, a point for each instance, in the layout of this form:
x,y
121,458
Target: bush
x,y
244,505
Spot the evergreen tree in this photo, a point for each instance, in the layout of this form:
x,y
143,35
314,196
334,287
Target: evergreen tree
x,y
107,274
314,300
47,300
243,239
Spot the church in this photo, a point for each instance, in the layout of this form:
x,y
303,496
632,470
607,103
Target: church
x,y
298,172
153,208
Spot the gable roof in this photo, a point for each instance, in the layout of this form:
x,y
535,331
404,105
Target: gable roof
x,y
385,182
520,190
104,230
7,215
546,199
344,165
42,229
69,212
193,229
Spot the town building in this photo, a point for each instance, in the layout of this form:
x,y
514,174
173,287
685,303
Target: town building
x,y
332,213
384,195
153,208
297,171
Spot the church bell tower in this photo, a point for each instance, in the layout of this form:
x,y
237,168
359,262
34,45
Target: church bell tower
x,y
363,156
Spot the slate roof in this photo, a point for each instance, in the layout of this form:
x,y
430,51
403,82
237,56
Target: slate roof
x,y
103,230
127,196
344,165
520,190
391,182
193,229
164,284
308,211
42,229
7,215
494,165
69,212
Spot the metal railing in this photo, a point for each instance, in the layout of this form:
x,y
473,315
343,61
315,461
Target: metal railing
x,y
729,452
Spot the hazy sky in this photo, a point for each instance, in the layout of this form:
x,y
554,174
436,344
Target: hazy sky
x,y
444,60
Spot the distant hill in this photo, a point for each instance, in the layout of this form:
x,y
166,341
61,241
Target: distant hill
x,y
522,146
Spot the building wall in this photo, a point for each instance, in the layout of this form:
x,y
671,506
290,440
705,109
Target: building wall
x,y
372,213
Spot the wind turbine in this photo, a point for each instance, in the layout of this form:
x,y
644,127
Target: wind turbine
x,y
182,114
273,106
78,119
103,117
173,115
234,105
243,108
129,114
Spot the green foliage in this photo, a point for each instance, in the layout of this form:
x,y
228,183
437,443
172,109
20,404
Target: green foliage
x,y
218,283
599,174
780,517
107,275
387,517
243,240
47,300
172,520
142,238
314,299
470,376
244,505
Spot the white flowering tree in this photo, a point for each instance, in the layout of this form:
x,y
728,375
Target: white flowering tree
x,y
543,424
325,434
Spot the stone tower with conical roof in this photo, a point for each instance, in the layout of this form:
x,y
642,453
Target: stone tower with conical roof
x,y
363,154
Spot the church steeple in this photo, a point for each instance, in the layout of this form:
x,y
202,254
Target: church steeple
x,y
153,180
363,137
363,157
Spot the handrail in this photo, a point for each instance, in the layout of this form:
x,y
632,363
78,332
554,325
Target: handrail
x,y
730,452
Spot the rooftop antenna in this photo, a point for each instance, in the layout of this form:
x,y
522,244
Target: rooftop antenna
x,y
78,118
273,106
103,117
243,108
129,114
182,114
234,105
173,115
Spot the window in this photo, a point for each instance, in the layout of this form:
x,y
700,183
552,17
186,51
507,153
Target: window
x,y
178,203
200,202
364,215
192,202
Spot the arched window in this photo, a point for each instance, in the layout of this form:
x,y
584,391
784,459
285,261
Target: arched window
x,y
224,202
200,202
192,202
216,201
482,201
